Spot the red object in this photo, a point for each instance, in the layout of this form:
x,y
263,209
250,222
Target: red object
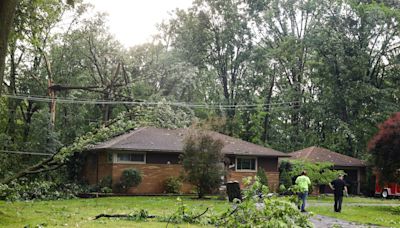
x,y
387,189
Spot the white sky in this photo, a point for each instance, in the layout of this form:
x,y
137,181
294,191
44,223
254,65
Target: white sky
x,y
134,21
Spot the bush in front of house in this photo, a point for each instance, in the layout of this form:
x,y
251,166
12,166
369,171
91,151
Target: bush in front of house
x,y
104,185
173,185
262,176
130,178
202,160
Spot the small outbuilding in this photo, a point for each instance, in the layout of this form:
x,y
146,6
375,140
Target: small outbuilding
x,y
155,152
353,167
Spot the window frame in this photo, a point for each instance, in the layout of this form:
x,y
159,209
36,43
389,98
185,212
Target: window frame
x,y
246,170
115,160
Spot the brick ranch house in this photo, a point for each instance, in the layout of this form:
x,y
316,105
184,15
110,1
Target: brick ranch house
x,y
353,167
155,152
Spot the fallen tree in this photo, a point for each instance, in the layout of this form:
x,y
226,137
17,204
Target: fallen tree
x,y
116,127
161,115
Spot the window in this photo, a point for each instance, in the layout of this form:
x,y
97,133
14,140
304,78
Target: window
x,y
131,157
246,164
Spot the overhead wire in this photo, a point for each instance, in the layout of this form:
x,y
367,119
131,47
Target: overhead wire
x,y
24,152
148,103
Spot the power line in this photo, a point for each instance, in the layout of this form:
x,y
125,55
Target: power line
x,y
104,102
24,152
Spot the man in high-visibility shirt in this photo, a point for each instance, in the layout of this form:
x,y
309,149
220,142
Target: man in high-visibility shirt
x,y
304,183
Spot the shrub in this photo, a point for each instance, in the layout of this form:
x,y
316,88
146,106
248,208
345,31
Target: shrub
x,y
262,177
173,185
130,178
106,190
202,162
106,182
282,189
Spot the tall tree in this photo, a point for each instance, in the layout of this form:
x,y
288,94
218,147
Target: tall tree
x,y
218,33
385,149
7,12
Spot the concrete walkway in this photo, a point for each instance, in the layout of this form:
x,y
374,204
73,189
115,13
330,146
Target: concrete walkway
x,y
321,221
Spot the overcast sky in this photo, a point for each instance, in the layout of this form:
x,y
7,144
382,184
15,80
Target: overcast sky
x,y
134,21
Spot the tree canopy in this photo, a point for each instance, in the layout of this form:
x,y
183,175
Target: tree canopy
x,y
385,149
201,160
280,73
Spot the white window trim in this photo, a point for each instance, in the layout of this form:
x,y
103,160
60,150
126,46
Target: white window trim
x,y
115,158
246,170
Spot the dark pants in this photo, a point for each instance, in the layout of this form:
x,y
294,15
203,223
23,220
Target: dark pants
x,y
338,203
303,198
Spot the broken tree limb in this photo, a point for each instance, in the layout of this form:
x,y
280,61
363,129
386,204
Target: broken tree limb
x,y
58,159
118,216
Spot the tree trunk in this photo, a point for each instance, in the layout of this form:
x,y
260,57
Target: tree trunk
x,y
7,12
265,135
12,103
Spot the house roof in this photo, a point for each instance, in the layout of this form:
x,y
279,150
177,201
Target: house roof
x,y
319,154
171,141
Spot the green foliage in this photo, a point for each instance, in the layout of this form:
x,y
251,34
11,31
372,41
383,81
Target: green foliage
x,y
324,75
104,185
202,161
130,178
281,189
173,185
284,177
38,190
256,210
165,116
262,176
184,214
385,149
319,173
263,212
106,182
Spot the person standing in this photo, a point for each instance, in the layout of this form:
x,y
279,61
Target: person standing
x,y
303,181
339,188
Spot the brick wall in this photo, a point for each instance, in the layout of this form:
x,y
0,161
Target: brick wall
x,y
273,178
153,177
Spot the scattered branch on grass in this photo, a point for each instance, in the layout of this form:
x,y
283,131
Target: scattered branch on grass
x,y
119,216
198,216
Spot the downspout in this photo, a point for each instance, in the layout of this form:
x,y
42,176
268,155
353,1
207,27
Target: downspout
x,y
358,180
97,168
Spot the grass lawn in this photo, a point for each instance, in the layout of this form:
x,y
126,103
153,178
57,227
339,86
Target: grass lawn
x,y
79,212
353,199
379,215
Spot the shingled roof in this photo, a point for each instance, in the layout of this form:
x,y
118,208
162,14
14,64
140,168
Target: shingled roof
x,y
319,154
171,141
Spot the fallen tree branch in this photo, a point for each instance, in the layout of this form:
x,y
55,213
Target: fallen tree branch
x,y
82,143
198,216
118,216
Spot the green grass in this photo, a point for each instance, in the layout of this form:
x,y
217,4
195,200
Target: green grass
x,y
79,212
377,215
354,199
